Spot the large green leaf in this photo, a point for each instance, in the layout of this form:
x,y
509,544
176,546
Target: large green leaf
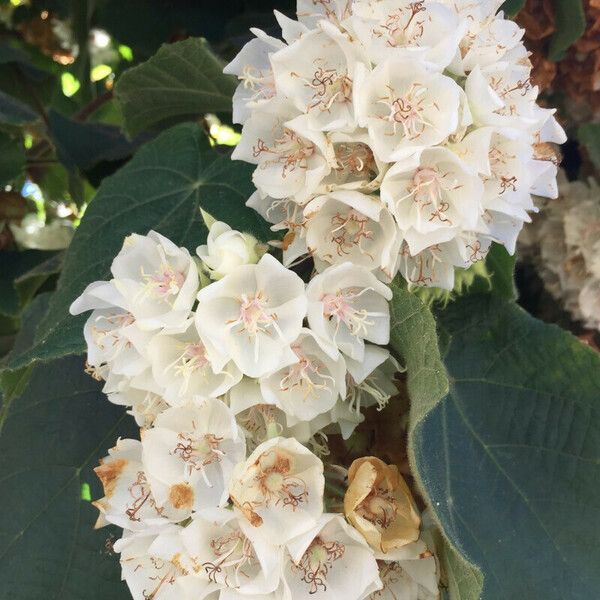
x,y
414,339
52,437
510,458
570,25
162,188
181,82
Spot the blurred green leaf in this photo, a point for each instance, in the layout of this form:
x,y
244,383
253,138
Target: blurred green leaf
x,y
14,265
12,158
570,26
181,82
15,112
589,136
512,7
82,145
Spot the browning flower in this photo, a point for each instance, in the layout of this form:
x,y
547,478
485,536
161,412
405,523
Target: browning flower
x,y
379,504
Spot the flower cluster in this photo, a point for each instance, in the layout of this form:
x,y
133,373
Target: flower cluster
x,y
399,135
234,369
564,244
284,356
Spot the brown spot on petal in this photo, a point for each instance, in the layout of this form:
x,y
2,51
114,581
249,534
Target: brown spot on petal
x,y
288,239
254,518
181,495
108,473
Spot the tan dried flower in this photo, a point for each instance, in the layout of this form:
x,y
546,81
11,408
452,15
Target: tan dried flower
x,y
380,505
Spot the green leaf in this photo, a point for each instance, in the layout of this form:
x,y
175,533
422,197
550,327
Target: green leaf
x,y
12,158
163,188
53,435
181,82
498,277
15,112
511,456
12,383
414,339
589,136
512,7
82,145
14,265
570,26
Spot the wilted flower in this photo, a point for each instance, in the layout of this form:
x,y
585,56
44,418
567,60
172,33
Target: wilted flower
x,y
380,505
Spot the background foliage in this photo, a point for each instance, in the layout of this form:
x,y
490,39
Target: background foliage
x,y
108,127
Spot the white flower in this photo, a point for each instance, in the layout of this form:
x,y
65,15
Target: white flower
x,y
144,405
279,489
190,453
347,305
331,560
153,280
350,226
292,159
475,12
355,167
434,266
252,66
310,12
183,366
406,107
227,249
433,197
158,279
252,316
502,95
147,575
371,380
220,548
128,501
415,579
110,334
316,73
487,43
423,30
311,385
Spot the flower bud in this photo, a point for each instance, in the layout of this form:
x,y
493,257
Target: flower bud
x,y
226,249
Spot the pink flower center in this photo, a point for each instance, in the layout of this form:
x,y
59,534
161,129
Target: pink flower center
x,y
254,315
